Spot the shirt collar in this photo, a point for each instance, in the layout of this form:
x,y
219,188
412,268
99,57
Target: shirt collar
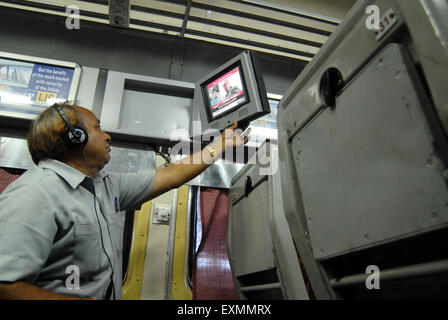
x,y
72,176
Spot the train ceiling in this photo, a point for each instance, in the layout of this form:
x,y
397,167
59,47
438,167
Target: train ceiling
x,y
250,24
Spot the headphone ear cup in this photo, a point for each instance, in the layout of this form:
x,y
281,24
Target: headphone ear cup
x,y
78,138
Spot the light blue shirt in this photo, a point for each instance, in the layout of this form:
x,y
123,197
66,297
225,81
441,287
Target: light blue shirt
x,y
48,223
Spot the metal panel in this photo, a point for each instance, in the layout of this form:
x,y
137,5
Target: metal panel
x,y
421,28
259,239
251,238
378,178
14,153
160,118
113,96
218,175
87,87
305,91
289,268
428,24
151,107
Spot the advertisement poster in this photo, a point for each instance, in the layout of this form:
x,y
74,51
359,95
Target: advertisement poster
x,y
28,88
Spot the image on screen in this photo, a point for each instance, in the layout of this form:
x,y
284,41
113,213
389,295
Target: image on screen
x,y
225,93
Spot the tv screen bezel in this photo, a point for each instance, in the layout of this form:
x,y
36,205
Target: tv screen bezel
x,y
205,94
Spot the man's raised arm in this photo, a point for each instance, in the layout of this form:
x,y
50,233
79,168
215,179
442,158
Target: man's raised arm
x,y
184,170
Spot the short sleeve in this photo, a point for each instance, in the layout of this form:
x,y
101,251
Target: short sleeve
x,y
27,229
135,188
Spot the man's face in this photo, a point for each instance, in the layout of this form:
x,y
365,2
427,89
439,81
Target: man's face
x,y
226,85
97,149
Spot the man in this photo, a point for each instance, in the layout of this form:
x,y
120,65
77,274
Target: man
x,y
229,91
215,96
62,218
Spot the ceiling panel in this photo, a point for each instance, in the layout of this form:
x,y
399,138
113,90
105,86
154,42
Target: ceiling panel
x,y
267,26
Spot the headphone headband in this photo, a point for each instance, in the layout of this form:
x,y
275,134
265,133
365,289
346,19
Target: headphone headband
x,y
64,117
77,137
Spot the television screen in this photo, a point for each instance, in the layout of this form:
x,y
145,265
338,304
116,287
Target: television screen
x,y
225,92
234,91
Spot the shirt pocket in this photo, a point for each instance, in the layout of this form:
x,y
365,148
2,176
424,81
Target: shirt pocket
x,y
87,249
116,223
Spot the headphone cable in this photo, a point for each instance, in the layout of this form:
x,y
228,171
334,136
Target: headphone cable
x,y
99,224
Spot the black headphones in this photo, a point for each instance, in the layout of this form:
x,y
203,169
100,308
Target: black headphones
x,y
76,137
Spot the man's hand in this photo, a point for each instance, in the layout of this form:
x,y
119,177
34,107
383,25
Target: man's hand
x,y
186,169
233,137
